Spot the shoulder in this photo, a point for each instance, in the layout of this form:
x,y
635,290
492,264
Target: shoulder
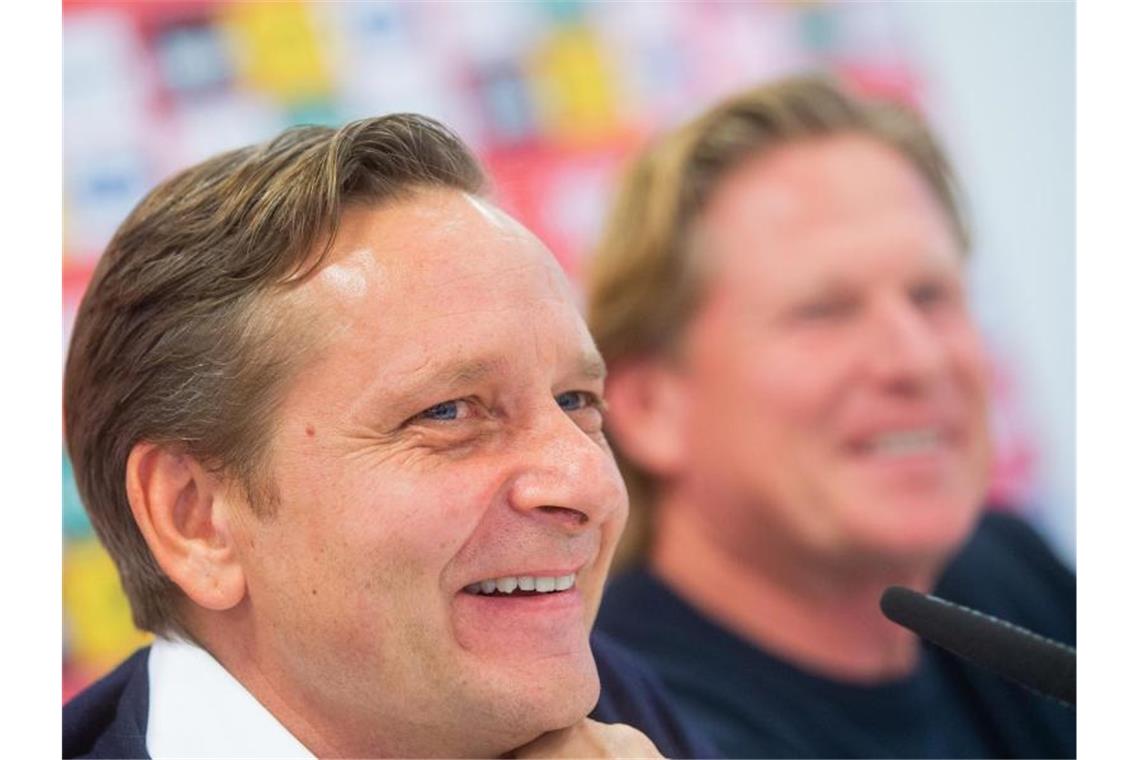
x,y
633,694
1007,569
108,718
632,600
617,664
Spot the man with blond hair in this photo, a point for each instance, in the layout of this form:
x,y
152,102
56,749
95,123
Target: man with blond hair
x,y
797,394
338,422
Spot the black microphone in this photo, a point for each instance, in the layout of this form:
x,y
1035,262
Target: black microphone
x,y
1042,665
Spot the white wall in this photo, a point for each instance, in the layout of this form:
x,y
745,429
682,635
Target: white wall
x,y
1001,76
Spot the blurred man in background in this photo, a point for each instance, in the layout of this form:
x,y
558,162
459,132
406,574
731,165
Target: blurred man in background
x,y
798,398
337,421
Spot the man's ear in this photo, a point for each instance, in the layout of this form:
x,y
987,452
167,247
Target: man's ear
x,y
646,405
182,511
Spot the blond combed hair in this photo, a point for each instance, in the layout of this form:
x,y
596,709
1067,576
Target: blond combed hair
x,y
644,283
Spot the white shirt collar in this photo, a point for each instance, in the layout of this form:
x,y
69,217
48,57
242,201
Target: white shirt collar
x,y
197,709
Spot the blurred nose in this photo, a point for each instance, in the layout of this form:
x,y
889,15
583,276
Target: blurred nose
x,y
567,479
906,352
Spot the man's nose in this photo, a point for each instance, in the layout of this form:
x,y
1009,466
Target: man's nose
x,y
566,478
905,350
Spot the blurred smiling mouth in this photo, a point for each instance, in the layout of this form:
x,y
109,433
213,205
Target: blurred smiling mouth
x,y
523,585
902,443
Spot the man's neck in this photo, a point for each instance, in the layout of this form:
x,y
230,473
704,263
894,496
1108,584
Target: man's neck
x,y
232,644
826,621
325,735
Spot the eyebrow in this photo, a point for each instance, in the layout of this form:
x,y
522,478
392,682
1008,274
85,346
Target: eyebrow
x,y
592,366
589,366
464,372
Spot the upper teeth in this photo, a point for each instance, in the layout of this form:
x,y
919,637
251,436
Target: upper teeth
x,y
508,583
906,441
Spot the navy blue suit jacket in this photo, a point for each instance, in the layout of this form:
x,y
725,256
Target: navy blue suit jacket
x,y
108,719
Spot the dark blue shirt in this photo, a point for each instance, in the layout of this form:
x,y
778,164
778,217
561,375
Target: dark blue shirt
x,y
753,704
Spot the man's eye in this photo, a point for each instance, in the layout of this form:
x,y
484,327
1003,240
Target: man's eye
x,y
447,410
930,294
572,401
833,308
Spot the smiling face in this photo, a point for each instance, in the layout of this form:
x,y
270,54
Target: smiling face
x,y
836,400
445,438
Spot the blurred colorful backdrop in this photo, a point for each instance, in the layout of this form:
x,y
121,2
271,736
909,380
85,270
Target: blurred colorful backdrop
x,y
553,96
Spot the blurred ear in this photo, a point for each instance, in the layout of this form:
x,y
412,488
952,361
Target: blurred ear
x,y
646,413
182,512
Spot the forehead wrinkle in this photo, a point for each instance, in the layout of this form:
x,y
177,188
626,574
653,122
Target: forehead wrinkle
x,y
476,279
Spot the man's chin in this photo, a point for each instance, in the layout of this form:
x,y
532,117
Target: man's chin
x,y
546,695
919,541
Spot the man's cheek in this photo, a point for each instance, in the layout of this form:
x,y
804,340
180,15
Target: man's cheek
x,y
413,539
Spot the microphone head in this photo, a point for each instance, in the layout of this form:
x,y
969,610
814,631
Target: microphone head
x,y
1034,662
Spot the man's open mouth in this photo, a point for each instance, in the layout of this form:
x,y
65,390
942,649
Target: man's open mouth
x,y
523,585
